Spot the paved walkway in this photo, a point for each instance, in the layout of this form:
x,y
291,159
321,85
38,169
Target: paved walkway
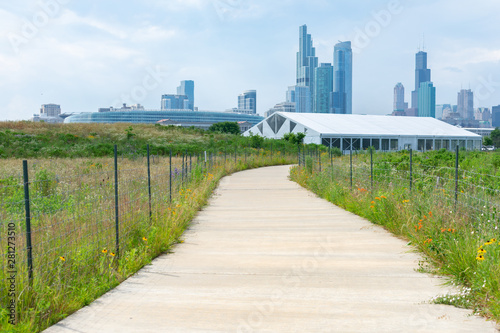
x,y
269,256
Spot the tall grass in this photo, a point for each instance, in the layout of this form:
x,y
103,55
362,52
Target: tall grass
x,y
75,257
459,239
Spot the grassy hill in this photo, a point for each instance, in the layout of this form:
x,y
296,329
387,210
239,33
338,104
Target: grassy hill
x,y
41,140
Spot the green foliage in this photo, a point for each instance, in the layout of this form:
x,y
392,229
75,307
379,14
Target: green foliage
x,y
458,240
35,140
226,127
488,141
294,138
130,133
495,137
256,141
336,152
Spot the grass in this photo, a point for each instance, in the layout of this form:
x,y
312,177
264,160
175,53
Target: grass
x,y
42,140
458,240
75,257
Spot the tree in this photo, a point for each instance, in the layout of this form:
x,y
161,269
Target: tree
x,y
294,138
495,137
487,141
226,127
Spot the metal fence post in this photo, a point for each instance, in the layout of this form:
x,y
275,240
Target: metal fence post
x,y
298,150
350,154
371,167
149,184
331,160
27,203
411,169
319,159
456,176
117,220
170,182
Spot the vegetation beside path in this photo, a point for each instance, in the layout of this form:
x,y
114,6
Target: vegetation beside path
x,y
89,231
451,215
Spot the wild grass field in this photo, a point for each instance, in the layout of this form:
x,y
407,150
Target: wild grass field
x,y
79,251
450,215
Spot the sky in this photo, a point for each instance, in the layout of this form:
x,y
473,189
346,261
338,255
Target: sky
x,y
89,54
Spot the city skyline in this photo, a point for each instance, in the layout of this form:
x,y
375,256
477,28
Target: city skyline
x,y
88,55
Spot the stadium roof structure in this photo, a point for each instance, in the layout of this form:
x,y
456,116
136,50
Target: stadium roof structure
x,y
362,131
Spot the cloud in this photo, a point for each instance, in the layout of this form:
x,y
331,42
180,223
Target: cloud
x,y
151,33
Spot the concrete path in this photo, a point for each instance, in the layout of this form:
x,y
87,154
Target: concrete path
x,y
269,256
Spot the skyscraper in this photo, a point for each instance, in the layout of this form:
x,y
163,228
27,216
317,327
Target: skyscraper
x,y
342,81
323,82
495,116
427,100
465,104
422,74
187,88
306,63
174,102
248,101
302,98
399,97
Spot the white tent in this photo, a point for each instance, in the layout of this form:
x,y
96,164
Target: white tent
x,y
363,131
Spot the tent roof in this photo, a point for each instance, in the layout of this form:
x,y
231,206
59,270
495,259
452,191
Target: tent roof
x,y
353,124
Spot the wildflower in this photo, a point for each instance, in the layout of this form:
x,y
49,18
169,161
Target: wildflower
x,y
377,198
372,207
178,206
62,258
104,251
481,251
112,254
480,258
383,197
144,239
373,202
493,240
443,230
430,214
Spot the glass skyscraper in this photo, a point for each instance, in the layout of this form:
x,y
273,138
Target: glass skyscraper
x,y
465,104
323,82
248,101
174,102
187,88
302,98
306,63
342,82
427,100
399,97
422,74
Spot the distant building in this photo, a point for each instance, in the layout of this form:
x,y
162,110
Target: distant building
x,y
465,104
306,65
50,110
174,102
341,98
123,108
482,114
422,74
301,96
323,84
427,100
495,116
248,101
244,126
187,89
184,118
49,113
281,107
399,98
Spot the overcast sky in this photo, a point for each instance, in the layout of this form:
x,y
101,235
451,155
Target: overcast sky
x,y
90,54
